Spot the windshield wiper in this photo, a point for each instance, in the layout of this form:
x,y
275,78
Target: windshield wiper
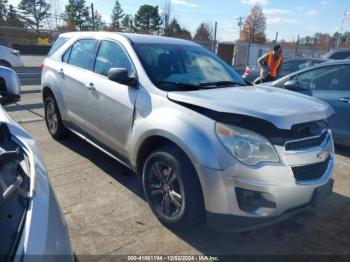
x,y
220,84
179,84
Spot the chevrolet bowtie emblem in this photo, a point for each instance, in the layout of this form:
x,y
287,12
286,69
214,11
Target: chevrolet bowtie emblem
x,y
322,156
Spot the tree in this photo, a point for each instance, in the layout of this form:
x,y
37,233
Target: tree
x,y
12,18
322,41
174,30
204,33
56,12
3,10
77,14
254,27
35,11
147,19
117,14
128,23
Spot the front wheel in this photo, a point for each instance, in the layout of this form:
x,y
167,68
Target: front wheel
x,y
172,188
53,119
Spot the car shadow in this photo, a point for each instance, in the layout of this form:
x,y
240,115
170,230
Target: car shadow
x,y
110,166
342,150
323,231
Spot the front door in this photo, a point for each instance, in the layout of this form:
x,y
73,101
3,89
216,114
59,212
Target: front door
x,y
109,116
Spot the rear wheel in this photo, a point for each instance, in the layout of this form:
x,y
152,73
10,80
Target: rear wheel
x,y
53,119
172,188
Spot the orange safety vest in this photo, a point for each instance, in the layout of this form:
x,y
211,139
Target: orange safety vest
x,y
273,65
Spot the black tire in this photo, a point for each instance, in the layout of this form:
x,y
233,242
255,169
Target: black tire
x,y
5,63
172,188
53,119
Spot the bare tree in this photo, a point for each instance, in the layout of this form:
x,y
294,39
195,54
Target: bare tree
x,y
56,13
254,27
204,33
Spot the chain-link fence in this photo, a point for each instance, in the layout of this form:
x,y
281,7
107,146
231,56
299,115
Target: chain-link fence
x,y
28,41
34,45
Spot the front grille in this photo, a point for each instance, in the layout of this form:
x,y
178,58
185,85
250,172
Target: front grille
x,y
310,172
306,143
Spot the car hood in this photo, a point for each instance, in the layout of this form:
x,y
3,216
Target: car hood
x,y
280,107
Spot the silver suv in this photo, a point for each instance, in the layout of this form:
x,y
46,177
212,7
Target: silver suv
x,y
206,146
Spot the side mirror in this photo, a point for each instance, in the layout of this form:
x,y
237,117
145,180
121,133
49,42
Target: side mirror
x,y
291,85
10,88
121,76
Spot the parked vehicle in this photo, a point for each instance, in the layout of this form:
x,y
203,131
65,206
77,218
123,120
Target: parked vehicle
x,y
338,54
328,82
9,57
288,66
5,43
31,222
204,144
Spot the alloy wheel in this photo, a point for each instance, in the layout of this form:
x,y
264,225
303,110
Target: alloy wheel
x,y
51,117
165,189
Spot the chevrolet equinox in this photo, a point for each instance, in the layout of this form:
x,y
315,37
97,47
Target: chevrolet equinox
x,y
207,146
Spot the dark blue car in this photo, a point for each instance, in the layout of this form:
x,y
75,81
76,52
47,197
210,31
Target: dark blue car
x,y
329,82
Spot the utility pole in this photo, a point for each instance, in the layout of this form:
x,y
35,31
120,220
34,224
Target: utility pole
x,y
93,17
214,41
240,24
249,42
296,47
346,14
276,37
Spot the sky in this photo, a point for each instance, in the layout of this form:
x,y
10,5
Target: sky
x,y
289,18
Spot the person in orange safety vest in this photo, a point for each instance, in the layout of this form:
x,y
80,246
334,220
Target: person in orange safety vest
x,y
271,64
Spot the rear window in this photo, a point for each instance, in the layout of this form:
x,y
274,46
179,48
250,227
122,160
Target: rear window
x,y
340,55
58,43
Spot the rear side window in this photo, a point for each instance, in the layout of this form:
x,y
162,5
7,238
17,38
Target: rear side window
x,y
66,55
58,43
111,55
82,53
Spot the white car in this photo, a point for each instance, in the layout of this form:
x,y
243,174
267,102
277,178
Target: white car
x,y
10,57
32,226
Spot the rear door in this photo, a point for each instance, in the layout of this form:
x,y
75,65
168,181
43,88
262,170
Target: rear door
x,y
75,74
109,116
332,85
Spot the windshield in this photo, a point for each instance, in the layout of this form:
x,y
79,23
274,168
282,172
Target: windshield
x,y
173,67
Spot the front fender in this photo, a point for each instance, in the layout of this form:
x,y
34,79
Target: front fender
x,y
192,132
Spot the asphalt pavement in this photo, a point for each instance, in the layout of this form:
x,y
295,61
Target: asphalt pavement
x,y
107,213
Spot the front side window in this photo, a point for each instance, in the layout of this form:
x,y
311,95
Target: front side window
x,y
111,55
169,64
325,78
82,53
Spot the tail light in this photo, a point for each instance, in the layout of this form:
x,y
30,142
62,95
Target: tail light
x,y
247,70
42,67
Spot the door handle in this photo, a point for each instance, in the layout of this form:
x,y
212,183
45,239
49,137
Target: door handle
x,y
91,86
345,100
61,72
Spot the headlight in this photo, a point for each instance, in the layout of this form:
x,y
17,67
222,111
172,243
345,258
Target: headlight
x,y
245,145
